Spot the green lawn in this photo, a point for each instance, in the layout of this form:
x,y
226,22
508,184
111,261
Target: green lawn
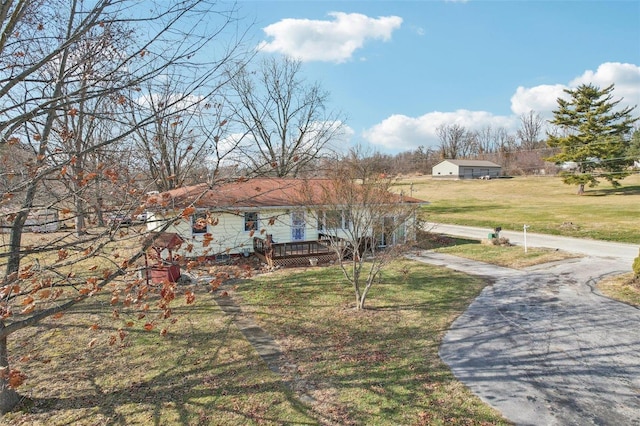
x,y
380,366
544,203
202,372
509,256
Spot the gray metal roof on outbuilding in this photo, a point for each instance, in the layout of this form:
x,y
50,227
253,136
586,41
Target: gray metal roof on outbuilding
x,y
472,163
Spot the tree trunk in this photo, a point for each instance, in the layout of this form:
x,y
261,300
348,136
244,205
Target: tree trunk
x,y
356,281
15,240
9,398
580,189
81,227
99,212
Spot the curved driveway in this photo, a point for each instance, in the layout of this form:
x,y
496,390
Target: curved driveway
x,y
542,346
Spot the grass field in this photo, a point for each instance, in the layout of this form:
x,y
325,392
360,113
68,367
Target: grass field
x,y
380,366
202,372
510,257
544,203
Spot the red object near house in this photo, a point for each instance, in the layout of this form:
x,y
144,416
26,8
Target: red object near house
x,y
164,269
160,274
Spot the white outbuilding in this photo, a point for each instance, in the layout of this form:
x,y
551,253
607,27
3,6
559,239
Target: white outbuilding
x,y
466,169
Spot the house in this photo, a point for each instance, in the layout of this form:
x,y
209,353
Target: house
x,y
248,215
466,169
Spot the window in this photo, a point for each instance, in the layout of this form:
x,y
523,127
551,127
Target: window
x,y
346,219
333,219
251,221
392,231
199,223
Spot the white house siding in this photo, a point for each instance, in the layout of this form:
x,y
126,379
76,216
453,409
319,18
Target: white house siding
x,y
228,235
281,228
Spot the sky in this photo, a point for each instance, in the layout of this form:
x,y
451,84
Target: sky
x,y
399,69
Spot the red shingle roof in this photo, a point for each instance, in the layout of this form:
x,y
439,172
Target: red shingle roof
x,y
248,193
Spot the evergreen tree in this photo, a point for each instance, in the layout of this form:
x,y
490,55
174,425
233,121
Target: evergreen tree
x,y
593,134
633,153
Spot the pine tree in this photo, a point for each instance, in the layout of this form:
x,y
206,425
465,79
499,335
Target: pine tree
x,y
633,152
593,134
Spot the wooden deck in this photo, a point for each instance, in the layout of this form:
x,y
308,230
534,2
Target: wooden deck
x,y
297,253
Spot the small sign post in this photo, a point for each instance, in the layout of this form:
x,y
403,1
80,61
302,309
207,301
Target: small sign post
x,y
525,237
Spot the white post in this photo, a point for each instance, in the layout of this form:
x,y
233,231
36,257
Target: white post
x,y
525,237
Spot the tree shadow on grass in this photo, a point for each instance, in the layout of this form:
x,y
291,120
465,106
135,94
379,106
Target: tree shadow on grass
x,y
376,365
623,190
202,372
460,208
432,240
197,395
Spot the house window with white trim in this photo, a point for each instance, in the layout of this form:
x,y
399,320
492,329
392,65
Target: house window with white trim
x,y
251,221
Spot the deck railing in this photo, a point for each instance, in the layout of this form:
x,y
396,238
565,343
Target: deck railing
x,y
290,249
294,253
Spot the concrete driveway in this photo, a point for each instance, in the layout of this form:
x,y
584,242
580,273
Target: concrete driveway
x,y
543,347
625,253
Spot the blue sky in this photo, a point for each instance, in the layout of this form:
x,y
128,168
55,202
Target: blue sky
x,y
399,69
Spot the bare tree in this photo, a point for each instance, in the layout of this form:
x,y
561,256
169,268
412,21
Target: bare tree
x,y
283,121
531,127
506,146
87,72
366,224
64,75
187,135
453,141
486,140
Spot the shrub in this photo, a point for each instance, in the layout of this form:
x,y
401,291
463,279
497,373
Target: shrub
x,y
636,267
504,242
426,240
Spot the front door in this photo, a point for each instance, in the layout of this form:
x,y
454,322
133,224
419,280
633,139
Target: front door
x,y
298,226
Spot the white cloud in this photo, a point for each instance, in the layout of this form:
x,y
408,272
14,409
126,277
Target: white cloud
x,y
418,30
400,132
176,103
626,77
329,41
543,98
